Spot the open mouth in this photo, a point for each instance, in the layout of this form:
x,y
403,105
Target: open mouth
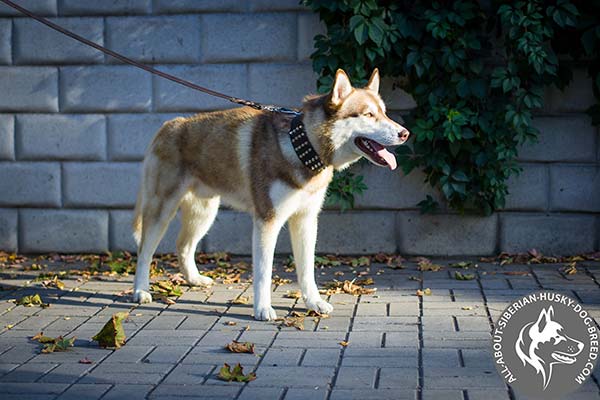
x,y
563,358
376,153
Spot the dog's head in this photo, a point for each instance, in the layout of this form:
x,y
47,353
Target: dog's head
x,y
357,124
544,343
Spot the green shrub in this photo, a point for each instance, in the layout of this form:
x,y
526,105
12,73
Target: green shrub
x,y
477,72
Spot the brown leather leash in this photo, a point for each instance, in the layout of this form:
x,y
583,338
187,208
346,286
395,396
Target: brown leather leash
x,y
127,60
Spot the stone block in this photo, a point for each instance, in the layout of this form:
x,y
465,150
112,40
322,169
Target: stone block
x,y
309,26
60,137
278,5
229,79
64,231
165,39
576,97
121,233
550,234
232,232
529,189
394,97
8,229
100,184
105,88
248,37
195,6
281,84
564,138
7,137
30,184
29,89
40,7
392,189
357,232
446,235
35,43
5,41
575,188
78,7
129,135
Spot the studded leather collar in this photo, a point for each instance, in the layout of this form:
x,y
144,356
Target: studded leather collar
x,y
302,146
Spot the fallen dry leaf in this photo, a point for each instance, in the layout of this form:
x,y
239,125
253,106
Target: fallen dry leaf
x,y
343,343
54,282
112,334
33,300
239,300
459,276
230,323
239,347
85,360
166,288
570,269
236,374
293,294
424,292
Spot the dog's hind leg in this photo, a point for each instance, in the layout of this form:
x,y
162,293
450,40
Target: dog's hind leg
x,y
197,215
303,235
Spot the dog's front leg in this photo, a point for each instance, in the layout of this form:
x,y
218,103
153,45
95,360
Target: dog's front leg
x,y
264,238
303,234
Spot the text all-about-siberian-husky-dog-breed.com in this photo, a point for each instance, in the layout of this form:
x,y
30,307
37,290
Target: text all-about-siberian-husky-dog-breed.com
x,y
267,164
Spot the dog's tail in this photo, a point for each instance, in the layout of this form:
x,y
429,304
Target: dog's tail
x,y
137,219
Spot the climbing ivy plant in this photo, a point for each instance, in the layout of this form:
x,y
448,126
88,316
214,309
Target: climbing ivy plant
x,y
477,71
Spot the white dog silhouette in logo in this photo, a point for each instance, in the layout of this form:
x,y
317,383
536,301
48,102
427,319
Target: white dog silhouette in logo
x,y
543,343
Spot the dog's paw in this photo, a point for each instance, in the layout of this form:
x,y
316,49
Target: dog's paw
x,y
199,280
319,305
264,314
142,297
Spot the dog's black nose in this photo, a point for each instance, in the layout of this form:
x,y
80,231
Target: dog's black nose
x,y
403,135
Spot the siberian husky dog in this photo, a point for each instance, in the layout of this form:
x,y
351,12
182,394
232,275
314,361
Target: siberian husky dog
x,y
246,158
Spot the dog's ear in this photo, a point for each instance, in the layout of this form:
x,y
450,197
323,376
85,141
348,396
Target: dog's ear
x,y
341,87
374,81
544,318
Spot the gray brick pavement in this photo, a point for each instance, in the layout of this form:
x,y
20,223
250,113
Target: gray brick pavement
x,y
399,346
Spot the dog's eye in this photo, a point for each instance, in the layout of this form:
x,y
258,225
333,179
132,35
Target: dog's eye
x,y
369,115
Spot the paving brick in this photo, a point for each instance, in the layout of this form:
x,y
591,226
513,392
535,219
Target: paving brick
x,y
22,389
60,137
576,97
67,231
129,392
528,190
338,232
390,378
30,184
462,378
105,88
255,393
66,373
249,37
165,39
564,138
356,377
282,84
293,376
167,354
76,7
28,372
279,5
446,235
281,356
40,7
232,230
35,43
5,41
373,394
171,392
195,6
575,188
230,79
7,137
129,135
8,229
79,391
121,234
550,234
392,190
309,26
140,373
100,184
321,358
29,89
129,353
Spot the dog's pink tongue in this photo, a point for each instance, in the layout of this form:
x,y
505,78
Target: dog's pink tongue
x,y
386,155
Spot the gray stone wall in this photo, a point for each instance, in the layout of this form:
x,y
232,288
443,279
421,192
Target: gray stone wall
x,y
74,125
